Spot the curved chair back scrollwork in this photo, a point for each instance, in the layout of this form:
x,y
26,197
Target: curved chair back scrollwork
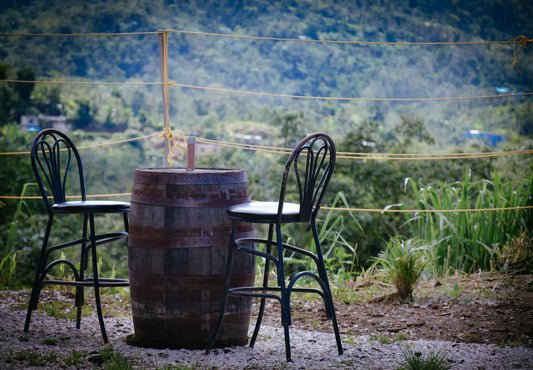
x,y
53,156
312,161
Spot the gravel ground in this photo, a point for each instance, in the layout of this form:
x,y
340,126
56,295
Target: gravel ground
x,y
311,350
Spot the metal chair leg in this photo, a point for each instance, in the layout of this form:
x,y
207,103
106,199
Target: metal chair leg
x,y
31,306
36,288
258,322
95,279
287,342
286,319
34,298
80,291
321,269
126,223
222,311
284,294
330,308
336,331
265,284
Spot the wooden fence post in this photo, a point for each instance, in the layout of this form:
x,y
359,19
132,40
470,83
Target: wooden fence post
x,y
163,56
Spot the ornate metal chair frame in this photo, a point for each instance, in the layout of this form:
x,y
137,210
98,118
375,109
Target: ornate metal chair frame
x,y
318,154
52,154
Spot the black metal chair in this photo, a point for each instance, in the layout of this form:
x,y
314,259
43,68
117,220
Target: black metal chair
x,y
313,161
54,158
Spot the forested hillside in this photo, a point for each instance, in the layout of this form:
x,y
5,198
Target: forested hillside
x,y
358,80
290,68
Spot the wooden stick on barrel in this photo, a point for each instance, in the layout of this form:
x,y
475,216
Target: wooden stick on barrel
x,y
191,142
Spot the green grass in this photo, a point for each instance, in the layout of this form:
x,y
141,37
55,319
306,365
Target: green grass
x,y
383,339
403,263
8,262
62,309
464,240
400,336
50,341
115,360
76,358
34,358
415,361
176,367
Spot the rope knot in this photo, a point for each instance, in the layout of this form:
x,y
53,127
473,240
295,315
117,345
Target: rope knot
x,y
522,41
170,137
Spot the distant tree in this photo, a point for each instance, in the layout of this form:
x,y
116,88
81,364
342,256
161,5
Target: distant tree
x,y
5,95
291,128
21,99
412,128
24,89
48,100
16,169
84,114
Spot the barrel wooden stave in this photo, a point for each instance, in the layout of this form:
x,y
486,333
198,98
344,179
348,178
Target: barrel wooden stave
x,y
177,252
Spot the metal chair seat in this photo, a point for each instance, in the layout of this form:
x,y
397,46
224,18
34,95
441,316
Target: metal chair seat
x,y
55,159
91,206
312,162
264,212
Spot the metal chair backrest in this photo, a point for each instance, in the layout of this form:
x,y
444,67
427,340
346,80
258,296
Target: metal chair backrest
x,y
53,155
313,161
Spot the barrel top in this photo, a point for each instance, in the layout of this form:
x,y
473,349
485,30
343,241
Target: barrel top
x,y
183,175
179,170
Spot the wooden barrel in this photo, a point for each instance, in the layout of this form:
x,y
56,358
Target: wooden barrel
x,y
177,248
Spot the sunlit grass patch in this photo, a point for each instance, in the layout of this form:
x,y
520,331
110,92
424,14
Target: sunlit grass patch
x,y
435,360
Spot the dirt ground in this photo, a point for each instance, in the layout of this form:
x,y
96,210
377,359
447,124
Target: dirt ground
x,y
483,308
477,308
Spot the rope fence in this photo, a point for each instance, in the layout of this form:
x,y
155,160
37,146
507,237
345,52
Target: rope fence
x,y
341,209
521,40
171,136
280,150
242,92
287,151
517,43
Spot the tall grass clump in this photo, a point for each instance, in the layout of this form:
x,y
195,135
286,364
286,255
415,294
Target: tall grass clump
x,y
465,232
403,262
8,257
340,256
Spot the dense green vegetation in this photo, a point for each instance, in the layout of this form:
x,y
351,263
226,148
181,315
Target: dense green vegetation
x,y
294,68
104,113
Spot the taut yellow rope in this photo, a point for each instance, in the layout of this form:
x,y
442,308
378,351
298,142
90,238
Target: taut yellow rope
x,y
428,210
264,38
344,42
341,209
171,136
173,83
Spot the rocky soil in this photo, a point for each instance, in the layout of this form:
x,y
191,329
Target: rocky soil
x,y
481,321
